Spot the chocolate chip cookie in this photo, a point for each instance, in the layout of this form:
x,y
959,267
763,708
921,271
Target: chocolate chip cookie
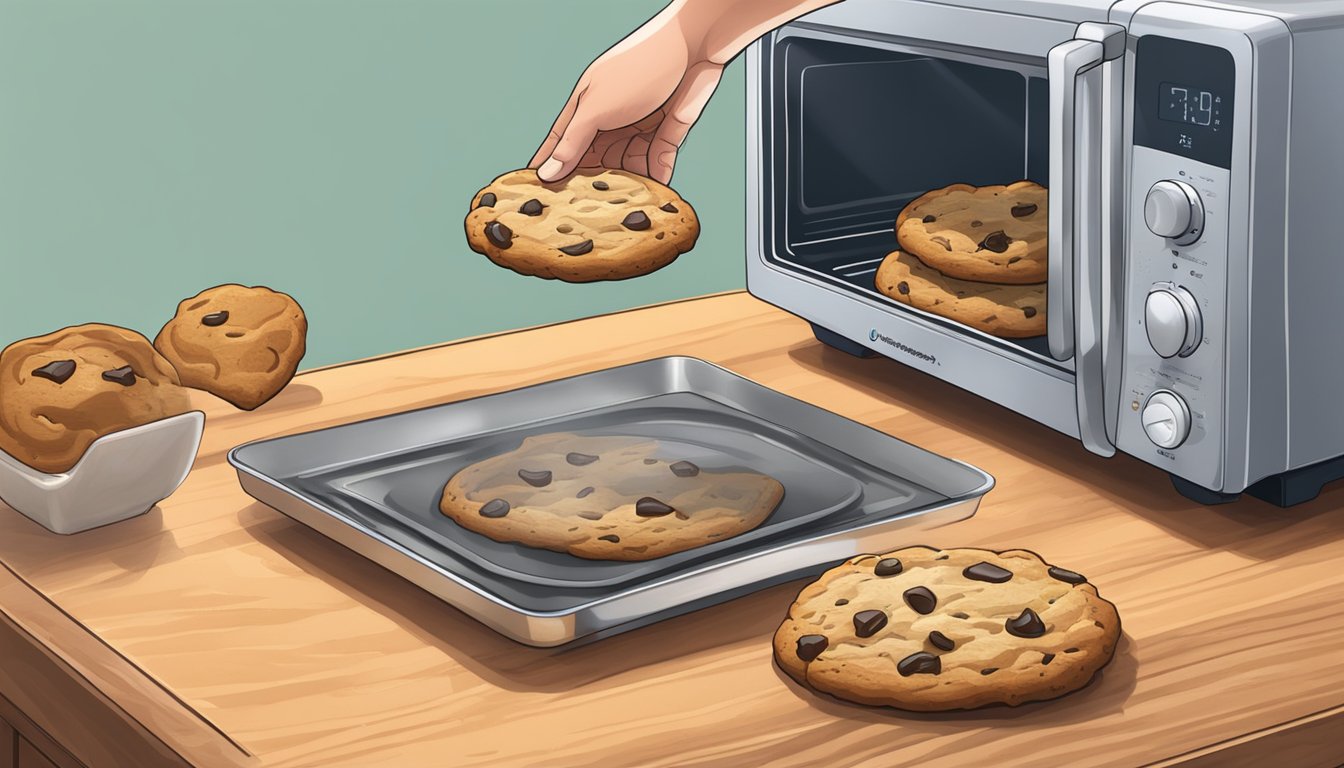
x,y
1008,311
991,234
242,344
927,630
594,225
62,391
607,498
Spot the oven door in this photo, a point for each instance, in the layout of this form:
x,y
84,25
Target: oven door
x,y
859,109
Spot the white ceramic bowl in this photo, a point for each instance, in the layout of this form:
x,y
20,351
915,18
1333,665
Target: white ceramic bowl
x,y
121,475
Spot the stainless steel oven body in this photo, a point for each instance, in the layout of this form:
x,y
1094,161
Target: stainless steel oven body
x,y
1191,158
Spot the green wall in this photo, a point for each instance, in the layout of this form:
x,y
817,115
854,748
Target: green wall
x,y
327,148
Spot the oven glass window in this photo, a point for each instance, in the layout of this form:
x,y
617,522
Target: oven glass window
x,y
860,134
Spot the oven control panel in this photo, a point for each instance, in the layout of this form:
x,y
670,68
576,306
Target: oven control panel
x,y
1177,257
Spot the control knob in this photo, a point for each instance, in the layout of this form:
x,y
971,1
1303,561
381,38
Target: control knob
x,y
1173,320
1166,419
1174,210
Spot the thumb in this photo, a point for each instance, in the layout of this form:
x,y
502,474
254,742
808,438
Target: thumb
x,y
574,142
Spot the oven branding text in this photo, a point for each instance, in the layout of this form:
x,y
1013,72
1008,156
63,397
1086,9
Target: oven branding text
x,y
873,335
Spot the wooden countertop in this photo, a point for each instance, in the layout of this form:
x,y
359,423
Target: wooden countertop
x,y
215,631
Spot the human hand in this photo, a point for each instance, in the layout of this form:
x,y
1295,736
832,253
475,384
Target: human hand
x,y
633,106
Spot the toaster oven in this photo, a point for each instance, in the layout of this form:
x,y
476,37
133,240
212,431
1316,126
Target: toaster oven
x,y
1189,161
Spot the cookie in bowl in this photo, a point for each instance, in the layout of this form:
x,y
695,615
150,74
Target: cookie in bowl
x,y
593,225
924,629
242,344
94,427
62,391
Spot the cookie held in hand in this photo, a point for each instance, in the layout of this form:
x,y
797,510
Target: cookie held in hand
x,y
928,630
606,498
238,343
593,225
62,391
994,234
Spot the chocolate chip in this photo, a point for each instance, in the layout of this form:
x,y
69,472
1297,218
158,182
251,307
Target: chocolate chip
x,y
216,319
996,241
531,207
1029,311
1027,624
651,507
989,670
960,615
124,376
990,572
943,241
487,200
811,646
867,623
920,599
495,508
903,288
1014,259
537,478
842,601
1066,576
670,208
613,538
684,469
499,235
887,566
929,219
650,461
989,318
601,186
1023,209
59,371
584,493
580,459
636,220
1070,650
920,663
1047,658
940,641
578,249
977,223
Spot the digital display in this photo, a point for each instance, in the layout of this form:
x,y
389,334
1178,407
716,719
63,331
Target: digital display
x,y
1190,105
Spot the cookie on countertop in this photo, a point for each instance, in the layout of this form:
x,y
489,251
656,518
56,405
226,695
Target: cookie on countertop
x,y
594,225
606,498
1008,311
62,391
238,343
995,234
930,630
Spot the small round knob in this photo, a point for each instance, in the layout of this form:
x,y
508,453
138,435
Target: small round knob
x,y
1173,321
1166,419
1173,209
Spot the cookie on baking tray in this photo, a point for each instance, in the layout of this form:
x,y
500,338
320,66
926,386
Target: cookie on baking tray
x,y
993,234
606,498
1008,311
594,225
239,343
929,630
62,391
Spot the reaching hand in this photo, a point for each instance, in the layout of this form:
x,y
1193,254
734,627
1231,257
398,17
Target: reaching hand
x,y
633,106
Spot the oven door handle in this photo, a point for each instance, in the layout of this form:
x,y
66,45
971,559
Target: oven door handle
x,y
1066,63
1085,85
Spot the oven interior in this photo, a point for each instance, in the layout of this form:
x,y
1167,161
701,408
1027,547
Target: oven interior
x,y
857,128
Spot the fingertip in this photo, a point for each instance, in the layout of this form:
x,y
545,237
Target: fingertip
x,y
550,170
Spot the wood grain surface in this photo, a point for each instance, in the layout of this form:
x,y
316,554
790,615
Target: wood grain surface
x,y
236,636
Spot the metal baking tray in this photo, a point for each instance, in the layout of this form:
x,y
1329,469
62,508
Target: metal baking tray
x,y
374,487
